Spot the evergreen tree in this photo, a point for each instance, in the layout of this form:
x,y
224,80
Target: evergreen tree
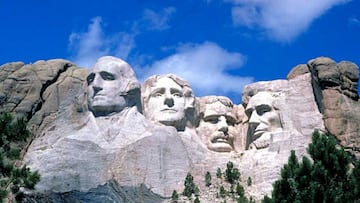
x,y
240,190
174,196
207,179
222,192
326,178
218,173
231,174
13,136
242,200
189,185
231,189
197,200
267,199
196,191
249,181
355,181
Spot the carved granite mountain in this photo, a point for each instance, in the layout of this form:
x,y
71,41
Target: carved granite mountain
x,y
94,152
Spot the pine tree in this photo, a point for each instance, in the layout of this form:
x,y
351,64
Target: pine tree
x,y
240,190
13,135
249,181
174,196
231,174
267,199
326,178
189,185
207,179
196,191
222,192
355,181
218,173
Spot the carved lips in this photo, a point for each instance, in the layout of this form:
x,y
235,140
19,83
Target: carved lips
x,y
167,110
221,138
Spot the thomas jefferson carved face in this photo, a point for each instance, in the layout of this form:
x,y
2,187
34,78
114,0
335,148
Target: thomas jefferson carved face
x,y
165,100
108,84
217,123
262,115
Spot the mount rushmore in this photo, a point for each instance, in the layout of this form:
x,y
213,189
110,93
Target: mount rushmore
x,y
101,134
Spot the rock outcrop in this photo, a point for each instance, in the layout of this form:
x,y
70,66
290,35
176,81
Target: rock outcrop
x,y
119,155
38,91
336,93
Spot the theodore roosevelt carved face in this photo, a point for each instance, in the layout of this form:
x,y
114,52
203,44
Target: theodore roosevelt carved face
x,y
111,84
263,118
166,99
216,127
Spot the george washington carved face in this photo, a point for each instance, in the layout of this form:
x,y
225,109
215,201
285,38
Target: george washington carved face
x,y
109,84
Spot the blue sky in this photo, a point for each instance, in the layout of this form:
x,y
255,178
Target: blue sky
x,y
217,45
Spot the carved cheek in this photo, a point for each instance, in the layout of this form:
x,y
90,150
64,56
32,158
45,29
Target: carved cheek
x,y
274,119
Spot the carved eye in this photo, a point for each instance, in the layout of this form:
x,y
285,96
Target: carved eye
x,y
90,78
107,76
212,119
176,93
157,93
260,110
230,121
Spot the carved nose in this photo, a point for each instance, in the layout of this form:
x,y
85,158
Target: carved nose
x,y
222,124
169,101
96,89
254,118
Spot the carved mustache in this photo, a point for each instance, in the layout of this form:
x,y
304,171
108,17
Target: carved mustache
x,y
222,136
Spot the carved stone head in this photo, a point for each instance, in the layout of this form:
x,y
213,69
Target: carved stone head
x,y
263,118
217,122
112,86
167,99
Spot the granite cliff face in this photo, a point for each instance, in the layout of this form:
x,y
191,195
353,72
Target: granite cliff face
x,y
124,156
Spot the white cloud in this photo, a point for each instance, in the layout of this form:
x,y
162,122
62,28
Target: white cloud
x,y
282,20
88,46
354,21
205,67
158,20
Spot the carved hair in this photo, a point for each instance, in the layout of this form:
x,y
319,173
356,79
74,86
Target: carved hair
x,y
202,103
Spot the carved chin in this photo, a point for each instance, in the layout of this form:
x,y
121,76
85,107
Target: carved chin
x,y
105,107
220,147
169,117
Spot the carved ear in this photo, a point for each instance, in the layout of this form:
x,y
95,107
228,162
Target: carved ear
x,y
132,85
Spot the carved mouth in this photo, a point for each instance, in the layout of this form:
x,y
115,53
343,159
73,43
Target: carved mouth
x,y
220,139
98,96
169,110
